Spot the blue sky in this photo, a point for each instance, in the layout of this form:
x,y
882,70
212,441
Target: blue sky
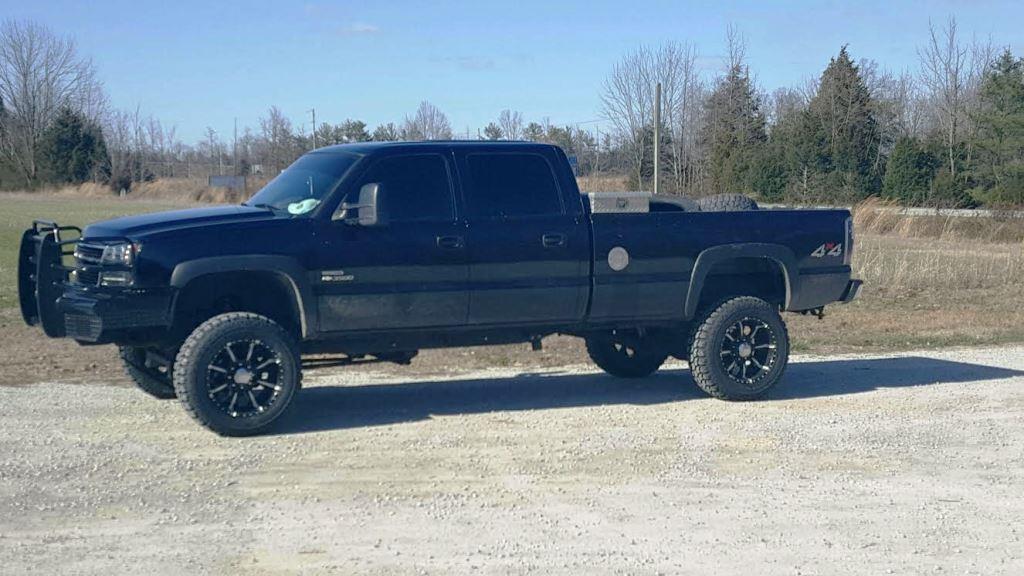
x,y
197,64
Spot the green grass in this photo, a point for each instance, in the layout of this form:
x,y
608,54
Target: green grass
x,y
18,210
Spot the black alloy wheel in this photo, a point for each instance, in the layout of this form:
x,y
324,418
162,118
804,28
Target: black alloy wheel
x,y
243,379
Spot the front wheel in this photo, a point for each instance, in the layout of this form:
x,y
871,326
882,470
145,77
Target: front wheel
x,y
153,380
740,349
626,355
237,373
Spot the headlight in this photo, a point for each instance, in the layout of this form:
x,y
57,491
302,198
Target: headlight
x,y
120,254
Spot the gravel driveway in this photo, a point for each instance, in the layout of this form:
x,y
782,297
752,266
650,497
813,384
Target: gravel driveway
x,y
856,465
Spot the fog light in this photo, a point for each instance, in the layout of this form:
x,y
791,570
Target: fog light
x,y
115,278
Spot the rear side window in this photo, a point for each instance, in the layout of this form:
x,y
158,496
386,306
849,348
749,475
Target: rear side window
x,y
512,185
414,188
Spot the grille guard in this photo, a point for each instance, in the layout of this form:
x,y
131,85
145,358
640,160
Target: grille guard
x,y
42,274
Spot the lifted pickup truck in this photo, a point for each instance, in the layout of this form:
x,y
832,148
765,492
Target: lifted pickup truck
x,y
371,252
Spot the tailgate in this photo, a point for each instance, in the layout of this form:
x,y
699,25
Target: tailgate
x,y
42,273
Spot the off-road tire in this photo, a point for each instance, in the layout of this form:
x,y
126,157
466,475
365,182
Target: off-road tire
x,y
727,203
211,339
708,357
625,361
150,380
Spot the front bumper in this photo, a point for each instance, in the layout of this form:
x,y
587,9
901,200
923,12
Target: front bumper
x,y
87,313
103,316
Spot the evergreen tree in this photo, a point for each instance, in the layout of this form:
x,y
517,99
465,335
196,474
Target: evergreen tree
x,y
998,166
71,148
493,132
734,131
909,174
385,133
353,131
534,132
838,139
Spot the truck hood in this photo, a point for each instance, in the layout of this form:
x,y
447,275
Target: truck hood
x,y
140,225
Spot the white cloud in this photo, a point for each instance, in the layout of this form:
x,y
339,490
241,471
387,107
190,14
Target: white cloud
x,y
360,28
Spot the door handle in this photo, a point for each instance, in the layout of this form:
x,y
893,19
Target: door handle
x,y
450,242
552,240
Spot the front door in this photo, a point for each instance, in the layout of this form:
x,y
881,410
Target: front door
x,y
410,270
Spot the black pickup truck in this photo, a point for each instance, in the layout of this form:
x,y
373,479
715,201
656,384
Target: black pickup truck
x,y
371,252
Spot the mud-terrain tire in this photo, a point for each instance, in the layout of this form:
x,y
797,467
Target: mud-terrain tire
x,y
625,360
727,203
740,348
150,380
237,373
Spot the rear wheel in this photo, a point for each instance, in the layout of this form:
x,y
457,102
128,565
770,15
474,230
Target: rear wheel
x,y
237,373
626,355
740,349
153,380
727,203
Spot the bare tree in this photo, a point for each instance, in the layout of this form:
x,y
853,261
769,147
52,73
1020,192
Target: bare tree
x,y
628,104
40,73
429,123
783,104
279,145
951,70
683,93
511,123
119,134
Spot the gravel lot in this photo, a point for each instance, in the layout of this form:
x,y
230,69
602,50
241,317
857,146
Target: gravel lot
x,y
903,464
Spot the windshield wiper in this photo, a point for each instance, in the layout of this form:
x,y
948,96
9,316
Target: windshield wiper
x,y
270,207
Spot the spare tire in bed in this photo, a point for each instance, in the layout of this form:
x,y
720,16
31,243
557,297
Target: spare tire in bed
x,y
726,203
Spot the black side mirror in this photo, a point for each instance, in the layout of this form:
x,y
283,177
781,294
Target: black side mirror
x,y
368,207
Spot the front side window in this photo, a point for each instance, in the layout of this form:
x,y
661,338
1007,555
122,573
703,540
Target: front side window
x,y
301,187
414,188
512,185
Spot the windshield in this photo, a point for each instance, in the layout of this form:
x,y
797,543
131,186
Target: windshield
x,y
303,186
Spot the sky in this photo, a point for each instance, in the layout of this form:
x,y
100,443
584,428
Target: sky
x,y
195,64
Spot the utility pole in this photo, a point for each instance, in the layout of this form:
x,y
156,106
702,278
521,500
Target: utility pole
x,y
313,112
213,150
657,134
234,150
597,151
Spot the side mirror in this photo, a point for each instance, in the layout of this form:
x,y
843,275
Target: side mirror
x,y
367,207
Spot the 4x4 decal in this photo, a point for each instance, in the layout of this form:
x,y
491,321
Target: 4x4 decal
x,y
828,249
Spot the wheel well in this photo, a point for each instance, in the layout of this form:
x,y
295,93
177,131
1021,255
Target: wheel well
x,y
746,276
269,294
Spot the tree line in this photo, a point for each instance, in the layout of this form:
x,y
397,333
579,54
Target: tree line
x,y
950,133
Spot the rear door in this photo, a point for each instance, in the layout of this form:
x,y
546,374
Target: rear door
x,y
528,243
410,272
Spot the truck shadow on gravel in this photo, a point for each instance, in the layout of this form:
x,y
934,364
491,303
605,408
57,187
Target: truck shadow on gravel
x,y
323,408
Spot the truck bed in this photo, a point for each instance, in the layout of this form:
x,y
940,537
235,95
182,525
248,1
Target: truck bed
x,y
664,248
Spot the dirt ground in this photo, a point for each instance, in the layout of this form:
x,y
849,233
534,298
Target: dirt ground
x,y
904,464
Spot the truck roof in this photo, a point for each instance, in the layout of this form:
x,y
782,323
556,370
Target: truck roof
x,y
369,147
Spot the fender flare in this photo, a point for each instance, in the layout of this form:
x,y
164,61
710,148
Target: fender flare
x,y
284,266
707,259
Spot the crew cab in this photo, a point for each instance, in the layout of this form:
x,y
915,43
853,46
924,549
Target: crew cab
x,y
372,252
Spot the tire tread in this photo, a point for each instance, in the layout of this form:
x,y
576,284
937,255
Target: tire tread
x,y
700,364
190,348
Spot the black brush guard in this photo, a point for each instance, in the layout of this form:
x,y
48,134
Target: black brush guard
x,y
42,274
